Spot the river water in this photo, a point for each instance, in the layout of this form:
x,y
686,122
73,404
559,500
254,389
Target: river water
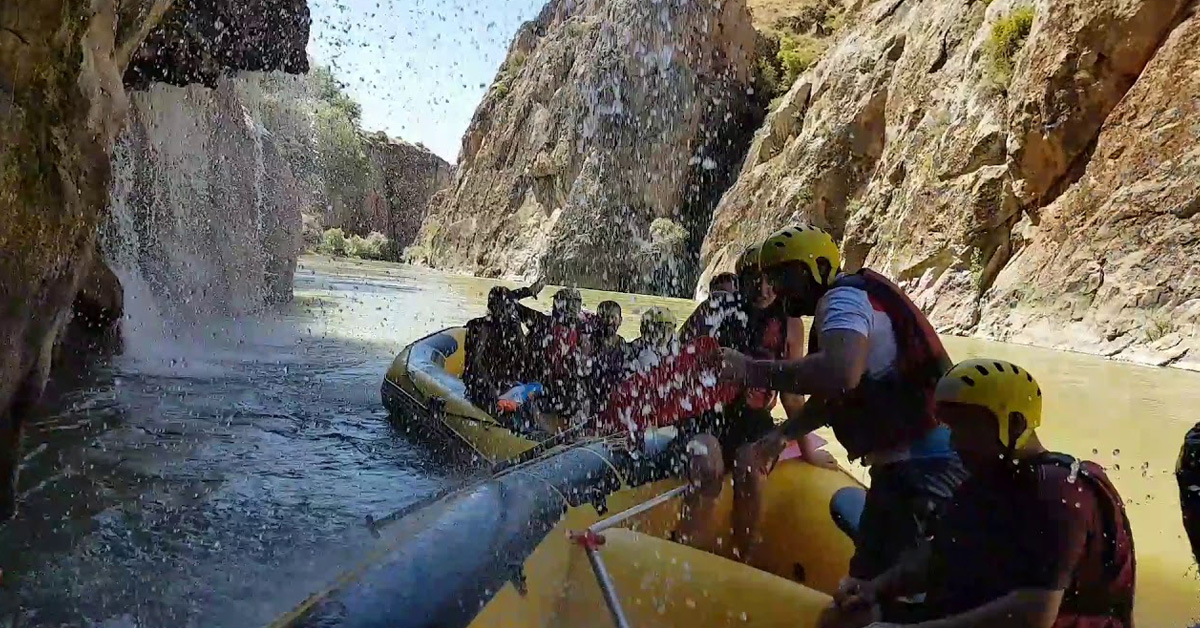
x,y
216,475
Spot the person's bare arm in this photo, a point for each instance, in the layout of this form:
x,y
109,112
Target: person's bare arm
x,y
835,369
532,318
793,404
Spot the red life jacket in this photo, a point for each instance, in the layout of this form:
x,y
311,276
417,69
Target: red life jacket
x,y
769,343
561,350
881,413
1107,595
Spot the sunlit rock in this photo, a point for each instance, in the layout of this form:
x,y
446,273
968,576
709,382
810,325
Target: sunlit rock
x,y
990,157
587,157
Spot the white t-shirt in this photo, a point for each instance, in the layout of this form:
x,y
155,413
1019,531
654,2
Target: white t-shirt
x,y
850,309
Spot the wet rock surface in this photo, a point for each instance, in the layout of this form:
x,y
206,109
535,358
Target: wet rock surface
x,y
1023,168
199,41
600,146
63,103
404,178
206,212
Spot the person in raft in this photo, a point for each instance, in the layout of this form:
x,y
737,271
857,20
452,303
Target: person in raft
x,y
497,353
872,363
610,353
1187,475
752,320
561,346
1032,539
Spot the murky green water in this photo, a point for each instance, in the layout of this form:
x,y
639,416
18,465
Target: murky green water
x,y
217,478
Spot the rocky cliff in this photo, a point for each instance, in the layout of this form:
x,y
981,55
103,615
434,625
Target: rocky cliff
x,y
600,148
205,215
1027,169
404,178
62,105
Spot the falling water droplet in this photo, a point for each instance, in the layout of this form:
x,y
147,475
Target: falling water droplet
x,y
1074,475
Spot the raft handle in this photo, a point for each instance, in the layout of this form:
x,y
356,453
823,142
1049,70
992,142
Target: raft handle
x,y
591,539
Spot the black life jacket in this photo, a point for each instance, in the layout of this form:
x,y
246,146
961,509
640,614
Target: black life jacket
x,y
1187,475
881,413
1120,564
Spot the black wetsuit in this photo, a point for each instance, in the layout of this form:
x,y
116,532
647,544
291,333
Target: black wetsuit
x,y
1187,474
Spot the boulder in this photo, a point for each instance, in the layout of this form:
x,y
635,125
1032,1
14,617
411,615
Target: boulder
x,y
606,116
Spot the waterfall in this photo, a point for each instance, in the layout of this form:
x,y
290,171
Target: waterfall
x,y
205,217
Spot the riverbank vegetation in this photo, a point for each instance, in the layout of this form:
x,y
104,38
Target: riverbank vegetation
x,y
375,246
792,37
363,193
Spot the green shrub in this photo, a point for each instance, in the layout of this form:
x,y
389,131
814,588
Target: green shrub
x,y
796,54
667,231
333,242
766,79
502,87
516,61
374,246
1008,36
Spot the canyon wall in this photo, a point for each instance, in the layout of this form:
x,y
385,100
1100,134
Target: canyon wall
x,y
599,150
1025,169
205,215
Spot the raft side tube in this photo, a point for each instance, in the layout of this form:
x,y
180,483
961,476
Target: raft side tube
x,y
450,558
668,585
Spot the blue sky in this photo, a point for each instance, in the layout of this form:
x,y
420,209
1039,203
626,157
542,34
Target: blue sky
x,y
419,67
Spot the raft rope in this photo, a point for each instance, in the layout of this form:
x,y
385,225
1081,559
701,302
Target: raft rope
x,y
606,461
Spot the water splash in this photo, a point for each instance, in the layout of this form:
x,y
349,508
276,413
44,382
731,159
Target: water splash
x,y
201,216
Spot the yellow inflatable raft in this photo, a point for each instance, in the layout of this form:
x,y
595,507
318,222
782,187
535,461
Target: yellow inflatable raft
x,y
424,394
498,554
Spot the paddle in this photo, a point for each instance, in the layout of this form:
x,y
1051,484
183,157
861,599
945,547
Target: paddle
x,y
683,386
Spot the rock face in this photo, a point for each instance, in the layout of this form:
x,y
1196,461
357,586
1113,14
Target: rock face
x,y
601,146
62,104
1017,165
1116,257
199,41
94,326
206,213
404,178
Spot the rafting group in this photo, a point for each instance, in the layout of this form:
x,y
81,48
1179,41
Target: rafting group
x,y
968,520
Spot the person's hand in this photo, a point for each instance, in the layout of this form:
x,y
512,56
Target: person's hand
x,y
537,286
816,456
855,594
771,445
733,366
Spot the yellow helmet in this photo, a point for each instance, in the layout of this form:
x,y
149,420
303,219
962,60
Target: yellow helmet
x,y
802,244
1001,387
658,316
748,260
